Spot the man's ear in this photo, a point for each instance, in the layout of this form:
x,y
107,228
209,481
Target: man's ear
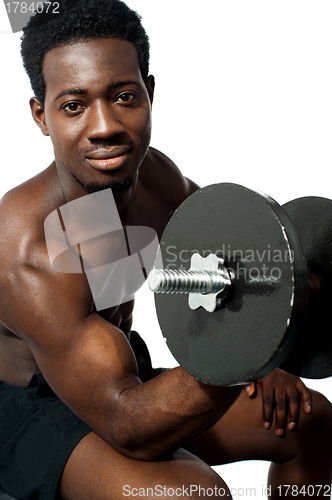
x,y
38,114
150,87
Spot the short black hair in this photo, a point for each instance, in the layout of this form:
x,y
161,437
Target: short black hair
x,y
78,20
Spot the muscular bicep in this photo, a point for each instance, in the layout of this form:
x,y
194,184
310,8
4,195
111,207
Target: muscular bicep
x,y
87,361
90,371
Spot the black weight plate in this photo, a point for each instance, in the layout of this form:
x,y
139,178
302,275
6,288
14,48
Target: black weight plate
x,y
311,356
254,330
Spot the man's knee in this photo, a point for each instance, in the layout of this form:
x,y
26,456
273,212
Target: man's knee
x,y
202,485
190,477
96,471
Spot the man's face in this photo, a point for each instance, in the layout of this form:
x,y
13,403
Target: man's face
x,y
97,111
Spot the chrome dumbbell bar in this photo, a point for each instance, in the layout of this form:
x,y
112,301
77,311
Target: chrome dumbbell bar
x,y
207,282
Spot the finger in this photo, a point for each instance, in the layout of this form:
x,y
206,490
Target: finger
x,y
251,389
280,410
305,396
268,404
293,407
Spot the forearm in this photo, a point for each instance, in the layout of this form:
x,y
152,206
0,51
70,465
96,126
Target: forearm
x,y
156,417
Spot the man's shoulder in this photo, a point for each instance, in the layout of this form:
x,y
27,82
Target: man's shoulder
x,y
164,176
160,158
28,200
23,210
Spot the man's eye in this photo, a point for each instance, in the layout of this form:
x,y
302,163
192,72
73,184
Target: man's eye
x,y
73,107
126,97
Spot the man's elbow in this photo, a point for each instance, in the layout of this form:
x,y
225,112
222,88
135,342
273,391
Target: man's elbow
x,y
146,454
146,450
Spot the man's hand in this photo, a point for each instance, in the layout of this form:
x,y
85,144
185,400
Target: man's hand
x,y
282,395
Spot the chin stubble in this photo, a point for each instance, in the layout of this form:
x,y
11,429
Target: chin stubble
x,y
118,186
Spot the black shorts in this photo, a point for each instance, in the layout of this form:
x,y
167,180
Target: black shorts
x,y
38,433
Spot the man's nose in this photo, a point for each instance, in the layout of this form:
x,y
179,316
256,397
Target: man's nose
x,y
104,121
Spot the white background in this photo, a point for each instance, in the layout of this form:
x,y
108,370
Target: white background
x,y
243,94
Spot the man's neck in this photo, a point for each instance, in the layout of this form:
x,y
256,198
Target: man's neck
x,y
73,189
70,187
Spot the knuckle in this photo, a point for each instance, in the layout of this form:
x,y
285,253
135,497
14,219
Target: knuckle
x,y
268,401
293,397
281,405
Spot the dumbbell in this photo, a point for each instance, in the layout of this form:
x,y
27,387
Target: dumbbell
x,y
233,298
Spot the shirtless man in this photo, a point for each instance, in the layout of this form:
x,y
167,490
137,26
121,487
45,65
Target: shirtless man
x,y
80,424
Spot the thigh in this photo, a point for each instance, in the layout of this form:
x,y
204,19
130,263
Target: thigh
x,y
240,434
95,470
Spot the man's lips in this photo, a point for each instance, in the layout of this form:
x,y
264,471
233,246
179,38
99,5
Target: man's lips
x,y
109,153
108,159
